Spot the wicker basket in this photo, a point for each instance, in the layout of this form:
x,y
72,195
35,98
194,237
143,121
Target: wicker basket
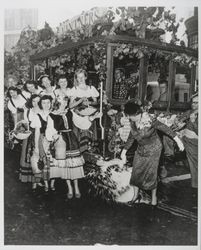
x,y
21,135
87,111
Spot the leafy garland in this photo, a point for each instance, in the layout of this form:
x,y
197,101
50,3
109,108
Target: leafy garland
x,y
80,58
102,182
138,51
138,20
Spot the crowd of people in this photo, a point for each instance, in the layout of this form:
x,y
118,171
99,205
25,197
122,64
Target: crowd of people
x,y
62,123
55,146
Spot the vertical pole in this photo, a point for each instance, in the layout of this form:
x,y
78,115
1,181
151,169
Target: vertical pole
x,y
171,84
46,65
109,80
101,119
101,110
193,80
32,71
142,92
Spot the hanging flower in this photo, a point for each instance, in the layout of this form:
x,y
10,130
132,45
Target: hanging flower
x,y
97,66
140,54
173,17
168,120
123,50
112,112
126,51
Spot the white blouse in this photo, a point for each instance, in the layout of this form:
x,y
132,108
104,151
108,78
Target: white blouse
x,y
31,117
19,102
36,123
91,91
52,94
60,94
26,94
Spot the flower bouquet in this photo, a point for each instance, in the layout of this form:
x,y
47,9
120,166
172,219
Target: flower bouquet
x,y
175,121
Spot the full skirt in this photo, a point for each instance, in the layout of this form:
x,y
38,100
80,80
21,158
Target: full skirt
x,y
70,166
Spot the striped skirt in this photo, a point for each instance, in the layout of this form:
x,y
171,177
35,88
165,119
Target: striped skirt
x,y
86,136
26,173
69,166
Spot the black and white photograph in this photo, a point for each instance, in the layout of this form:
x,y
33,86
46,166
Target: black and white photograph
x,y
100,127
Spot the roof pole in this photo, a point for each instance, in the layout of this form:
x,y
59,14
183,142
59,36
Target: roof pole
x,y
171,84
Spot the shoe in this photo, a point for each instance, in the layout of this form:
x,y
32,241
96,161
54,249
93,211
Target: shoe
x,y
70,195
154,204
46,189
78,195
33,190
163,172
34,186
153,207
52,188
40,184
136,200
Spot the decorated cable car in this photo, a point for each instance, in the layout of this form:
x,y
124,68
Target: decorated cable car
x,y
129,63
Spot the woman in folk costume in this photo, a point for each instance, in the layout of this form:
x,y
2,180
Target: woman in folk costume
x,y
190,140
41,152
68,162
62,89
146,158
16,103
83,98
17,106
14,110
48,88
27,173
32,88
